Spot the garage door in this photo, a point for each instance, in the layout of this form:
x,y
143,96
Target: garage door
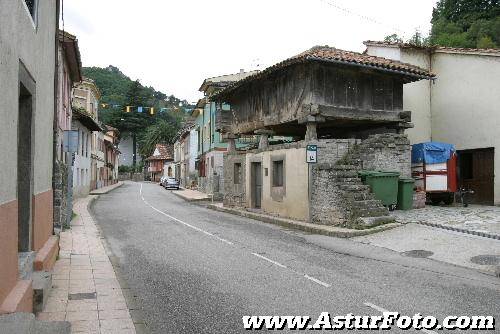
x,y
476,172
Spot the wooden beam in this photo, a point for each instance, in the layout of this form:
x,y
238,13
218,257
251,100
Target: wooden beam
x,y
374,116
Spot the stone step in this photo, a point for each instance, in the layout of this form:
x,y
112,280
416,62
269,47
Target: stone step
x,y
374,221
357,187
348,179
345,167
359,196
371,203
346,174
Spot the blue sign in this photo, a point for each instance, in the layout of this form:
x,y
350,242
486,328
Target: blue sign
x,y
70,141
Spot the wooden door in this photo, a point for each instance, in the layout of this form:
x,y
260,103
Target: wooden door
x,y
476,172
256,184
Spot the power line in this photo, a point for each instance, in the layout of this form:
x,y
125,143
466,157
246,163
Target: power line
x,y
363,17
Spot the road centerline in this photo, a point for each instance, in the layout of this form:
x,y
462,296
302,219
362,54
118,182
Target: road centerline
x,y
269,260
317,281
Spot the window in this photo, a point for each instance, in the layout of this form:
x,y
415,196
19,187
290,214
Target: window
x,y
31,5
237,173
278,173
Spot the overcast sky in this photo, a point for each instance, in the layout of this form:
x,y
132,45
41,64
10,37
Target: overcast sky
x,y
173,45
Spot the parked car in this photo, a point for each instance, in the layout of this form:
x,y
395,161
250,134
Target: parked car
x,y
162,181
171,183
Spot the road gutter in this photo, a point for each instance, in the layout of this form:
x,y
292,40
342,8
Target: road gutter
x,y
332,231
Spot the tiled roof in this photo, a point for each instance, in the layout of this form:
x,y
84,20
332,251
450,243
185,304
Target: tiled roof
x,y
225,80
165,152
333,55
434,47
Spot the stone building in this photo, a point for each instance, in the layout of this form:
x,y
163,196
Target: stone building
x,y
349,105
28,37
460,107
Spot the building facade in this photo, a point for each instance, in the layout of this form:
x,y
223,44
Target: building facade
x,y
69,73
162,154
111,155
459,107
185,154
211,145
28,37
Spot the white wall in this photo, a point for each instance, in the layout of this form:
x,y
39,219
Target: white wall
x,y
21,40
416,95
466,103
417,98
82,163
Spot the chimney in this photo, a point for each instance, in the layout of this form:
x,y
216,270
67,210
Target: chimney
x,y
242,70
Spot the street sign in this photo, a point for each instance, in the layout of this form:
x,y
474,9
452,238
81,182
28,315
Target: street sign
x,y
70,141
312,154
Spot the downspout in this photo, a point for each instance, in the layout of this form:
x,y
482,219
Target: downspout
x,y
54,123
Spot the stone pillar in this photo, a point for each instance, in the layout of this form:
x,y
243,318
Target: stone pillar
x,y
311,133
264,137
231,142
311,126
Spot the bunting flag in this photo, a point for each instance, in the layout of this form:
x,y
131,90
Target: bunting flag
x,y
139,109
127,109
151,110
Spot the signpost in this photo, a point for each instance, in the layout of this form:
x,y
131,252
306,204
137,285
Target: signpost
x,y
312,154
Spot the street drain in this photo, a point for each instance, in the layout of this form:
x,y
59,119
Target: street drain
x,y
81,296
486,260
420,253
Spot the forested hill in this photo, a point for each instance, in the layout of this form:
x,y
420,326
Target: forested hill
x,y
114,86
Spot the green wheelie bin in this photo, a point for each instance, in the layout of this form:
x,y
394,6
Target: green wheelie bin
x,y
384,186
405,193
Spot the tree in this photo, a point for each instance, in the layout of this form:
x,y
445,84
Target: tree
x,y
466,23
394,38
418,39
162,131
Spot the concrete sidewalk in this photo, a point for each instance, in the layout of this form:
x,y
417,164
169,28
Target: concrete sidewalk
x,y
465,250
191,195
85,290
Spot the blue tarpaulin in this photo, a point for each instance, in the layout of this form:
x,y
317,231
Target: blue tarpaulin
x,y
431,152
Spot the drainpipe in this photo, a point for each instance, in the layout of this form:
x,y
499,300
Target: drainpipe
x,y
54,123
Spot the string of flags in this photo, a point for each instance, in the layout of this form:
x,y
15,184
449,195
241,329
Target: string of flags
x,y
139,109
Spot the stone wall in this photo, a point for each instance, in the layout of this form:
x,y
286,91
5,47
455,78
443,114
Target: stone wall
x,y
60,180
327,207
386,151
234,194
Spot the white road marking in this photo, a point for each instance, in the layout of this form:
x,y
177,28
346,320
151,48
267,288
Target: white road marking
x,y
315,280
382,310
269,260
182,222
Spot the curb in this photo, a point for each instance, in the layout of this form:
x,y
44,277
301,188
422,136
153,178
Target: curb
x,y
189,199
461,230
331,231
113,187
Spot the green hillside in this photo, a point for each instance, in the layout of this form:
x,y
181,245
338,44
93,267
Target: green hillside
x,y
114,86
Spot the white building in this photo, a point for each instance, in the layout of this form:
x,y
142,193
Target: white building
x,y
460,107
82,166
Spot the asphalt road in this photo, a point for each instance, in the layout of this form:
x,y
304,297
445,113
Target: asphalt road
x,y
199,271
